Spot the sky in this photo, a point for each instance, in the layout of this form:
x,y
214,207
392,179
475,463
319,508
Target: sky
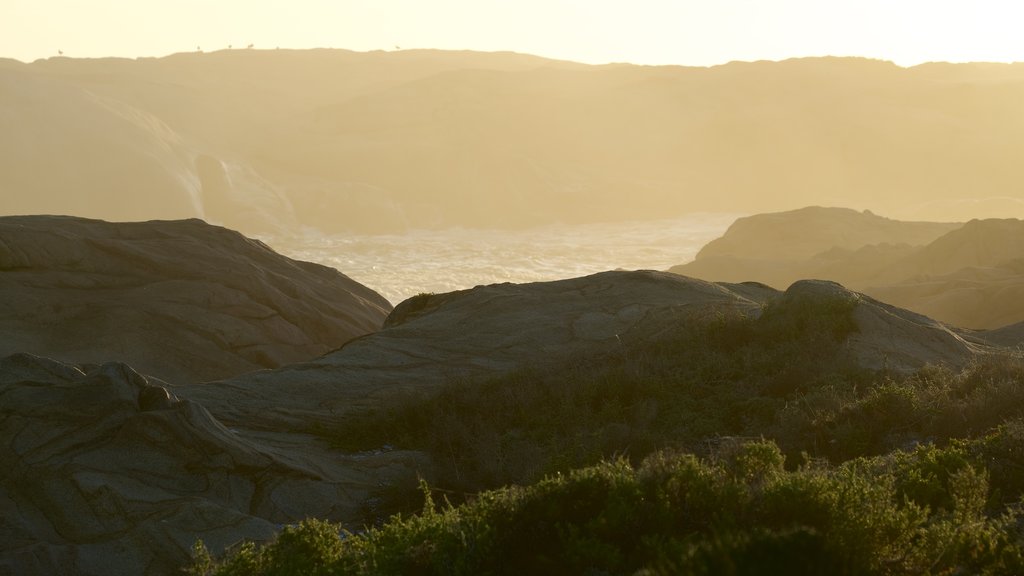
x,y
685,32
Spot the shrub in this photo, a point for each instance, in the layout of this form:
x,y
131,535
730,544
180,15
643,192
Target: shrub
x,y
675,514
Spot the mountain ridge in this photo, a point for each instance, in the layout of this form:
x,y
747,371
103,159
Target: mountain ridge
x,y
386,141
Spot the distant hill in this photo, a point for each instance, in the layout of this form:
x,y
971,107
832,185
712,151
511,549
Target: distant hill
x,y
979,243
382,141
968,275
806,232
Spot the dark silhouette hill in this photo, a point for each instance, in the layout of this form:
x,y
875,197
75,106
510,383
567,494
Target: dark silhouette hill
x,y
378,141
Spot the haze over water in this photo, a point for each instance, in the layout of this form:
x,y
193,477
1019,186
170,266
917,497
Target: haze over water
x,y
402,265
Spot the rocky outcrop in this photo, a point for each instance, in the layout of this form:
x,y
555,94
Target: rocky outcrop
x,y
105,471
887,337
109,471
490,330
183,300
433,339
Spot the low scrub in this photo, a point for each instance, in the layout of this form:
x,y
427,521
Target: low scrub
x,y
729,375
738,511
732,445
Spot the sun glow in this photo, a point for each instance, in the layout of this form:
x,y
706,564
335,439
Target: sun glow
x,y
644,31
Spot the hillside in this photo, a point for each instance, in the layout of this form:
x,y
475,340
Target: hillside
x,y
337,140
964,274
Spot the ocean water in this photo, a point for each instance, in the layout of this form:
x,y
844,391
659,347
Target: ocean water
x,y
402,265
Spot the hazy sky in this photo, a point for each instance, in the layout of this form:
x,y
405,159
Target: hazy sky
x,y
688,32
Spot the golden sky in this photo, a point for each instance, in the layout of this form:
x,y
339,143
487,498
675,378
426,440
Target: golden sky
x,y
689,32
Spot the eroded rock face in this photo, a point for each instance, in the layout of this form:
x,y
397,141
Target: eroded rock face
x,y
104,471
182,300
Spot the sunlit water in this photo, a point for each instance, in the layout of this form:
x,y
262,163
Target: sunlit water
x,y
402,265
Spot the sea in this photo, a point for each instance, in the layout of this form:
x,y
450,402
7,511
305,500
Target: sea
x,y
399,266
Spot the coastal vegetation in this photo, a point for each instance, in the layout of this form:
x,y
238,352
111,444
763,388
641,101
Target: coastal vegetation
x,y
738,444
738,511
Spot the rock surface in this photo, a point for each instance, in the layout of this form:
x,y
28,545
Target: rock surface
x,y
891,338
105,472
182,300
433,339
489,330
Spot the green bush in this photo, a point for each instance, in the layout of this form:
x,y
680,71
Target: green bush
x,y
742,513
310,547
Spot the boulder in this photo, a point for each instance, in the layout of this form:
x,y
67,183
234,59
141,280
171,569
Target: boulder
x,y
887,337
182,300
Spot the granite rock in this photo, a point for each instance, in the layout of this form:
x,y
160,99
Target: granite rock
x,y
182,300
